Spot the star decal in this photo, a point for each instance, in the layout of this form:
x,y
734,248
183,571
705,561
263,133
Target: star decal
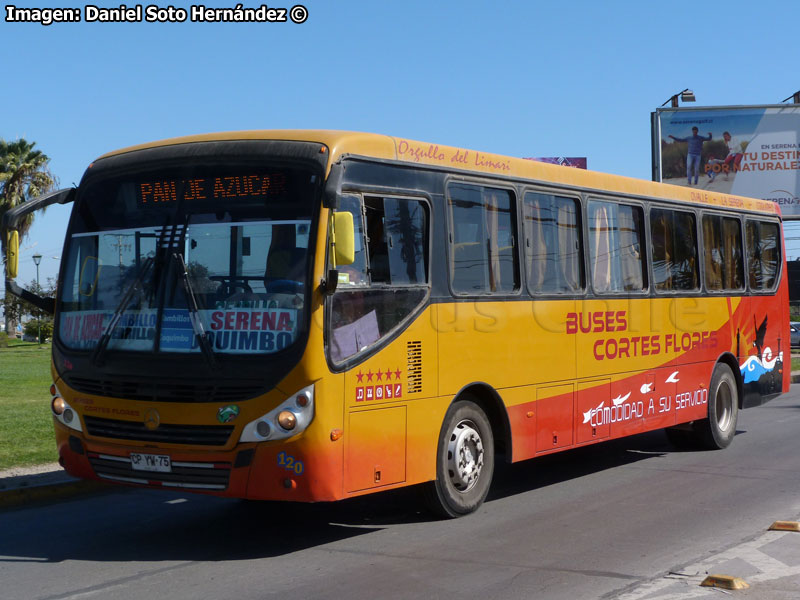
x,y
388,374
397,374
369,375
379,374
360,376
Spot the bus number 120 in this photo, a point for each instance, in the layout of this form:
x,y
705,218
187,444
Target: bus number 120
x,y
290,463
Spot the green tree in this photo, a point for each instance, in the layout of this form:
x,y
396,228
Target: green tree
x,y
24,175
14,310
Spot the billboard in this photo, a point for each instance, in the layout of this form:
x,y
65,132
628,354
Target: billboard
x,y
578,162
744,150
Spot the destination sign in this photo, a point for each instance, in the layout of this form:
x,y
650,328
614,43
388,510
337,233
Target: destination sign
x,y
255,185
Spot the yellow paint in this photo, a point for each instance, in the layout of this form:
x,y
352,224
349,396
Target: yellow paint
x,y
785,526
725,582
487,339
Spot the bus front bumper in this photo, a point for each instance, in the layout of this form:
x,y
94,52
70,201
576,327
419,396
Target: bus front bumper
x,y
253,471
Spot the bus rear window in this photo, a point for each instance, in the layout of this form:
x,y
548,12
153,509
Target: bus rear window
x,y
763,254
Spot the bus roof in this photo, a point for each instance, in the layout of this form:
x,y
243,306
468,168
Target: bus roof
x,y
347,143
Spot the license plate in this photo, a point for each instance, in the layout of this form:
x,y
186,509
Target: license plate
x,y
159,463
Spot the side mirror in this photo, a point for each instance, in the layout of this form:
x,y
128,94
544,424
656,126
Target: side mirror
x,y
343,239
10,222
12,253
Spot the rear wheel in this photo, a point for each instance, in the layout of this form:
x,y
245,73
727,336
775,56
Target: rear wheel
x,y
464,461
718,429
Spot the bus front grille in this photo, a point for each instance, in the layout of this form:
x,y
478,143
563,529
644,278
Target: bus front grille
x,y
163,391
183,475
195,435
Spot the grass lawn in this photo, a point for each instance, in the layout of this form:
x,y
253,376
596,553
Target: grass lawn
x,y
26,425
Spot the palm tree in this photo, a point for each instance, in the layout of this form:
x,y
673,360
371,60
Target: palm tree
x,y
24,175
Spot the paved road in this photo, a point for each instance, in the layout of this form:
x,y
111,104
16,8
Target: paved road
x,y
605,522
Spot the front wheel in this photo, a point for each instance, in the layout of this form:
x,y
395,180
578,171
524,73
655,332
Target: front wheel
x,y
717,431
464,461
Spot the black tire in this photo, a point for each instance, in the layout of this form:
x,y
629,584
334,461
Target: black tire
x,y
464,462
717,431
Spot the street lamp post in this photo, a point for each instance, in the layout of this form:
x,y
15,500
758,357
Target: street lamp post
x,y
37,258
686,95
795,98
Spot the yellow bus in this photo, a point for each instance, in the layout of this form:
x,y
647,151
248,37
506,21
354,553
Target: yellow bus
x,y
317,315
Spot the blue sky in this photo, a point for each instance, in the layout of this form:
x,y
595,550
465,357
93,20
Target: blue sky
x,y
517,78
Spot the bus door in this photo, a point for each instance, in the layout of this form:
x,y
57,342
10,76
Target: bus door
x,y
380,332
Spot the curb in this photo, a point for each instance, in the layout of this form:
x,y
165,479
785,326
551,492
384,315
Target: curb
x,y
795,376
24,496
21,490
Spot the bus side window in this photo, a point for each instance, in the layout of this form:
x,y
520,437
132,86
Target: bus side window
x,y
615,247
722,245
552,244
355,273
393,261
674,237
483,254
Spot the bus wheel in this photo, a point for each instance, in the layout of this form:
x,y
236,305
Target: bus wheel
x,y
718,429
464,462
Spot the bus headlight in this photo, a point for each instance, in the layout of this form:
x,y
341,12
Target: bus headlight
x,y
62,411
291,417
287,420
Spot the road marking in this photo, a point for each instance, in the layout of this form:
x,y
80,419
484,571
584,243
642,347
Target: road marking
x,y
685,584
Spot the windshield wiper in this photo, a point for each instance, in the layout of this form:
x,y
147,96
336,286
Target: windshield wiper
x,y
135,287
194,312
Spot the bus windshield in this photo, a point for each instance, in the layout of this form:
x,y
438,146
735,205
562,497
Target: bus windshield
x,y
211,259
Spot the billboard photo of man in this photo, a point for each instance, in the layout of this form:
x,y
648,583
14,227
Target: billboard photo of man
x,y
718,157
694,152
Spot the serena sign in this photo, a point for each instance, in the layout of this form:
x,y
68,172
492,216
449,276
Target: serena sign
x,y
262,185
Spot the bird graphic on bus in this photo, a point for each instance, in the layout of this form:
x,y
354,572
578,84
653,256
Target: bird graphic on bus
x,y
762,363
761,333
620,399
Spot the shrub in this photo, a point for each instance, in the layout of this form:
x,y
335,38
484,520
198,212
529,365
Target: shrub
x,y
31,329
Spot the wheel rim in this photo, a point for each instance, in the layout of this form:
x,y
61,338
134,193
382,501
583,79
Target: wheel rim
x,y
724,405
465,456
